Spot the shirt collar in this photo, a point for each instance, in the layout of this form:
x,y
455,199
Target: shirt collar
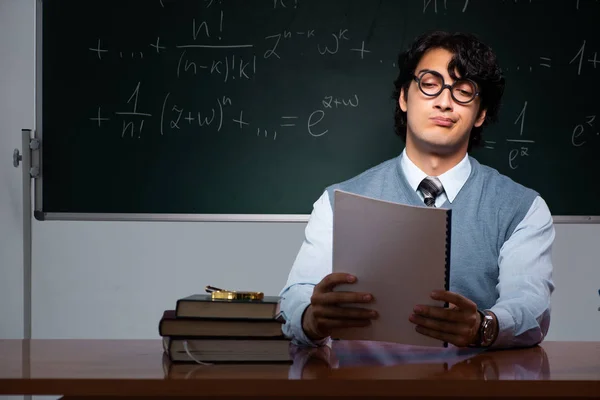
x,y
453,180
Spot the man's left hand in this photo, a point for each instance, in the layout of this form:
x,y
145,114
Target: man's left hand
x,y
458,324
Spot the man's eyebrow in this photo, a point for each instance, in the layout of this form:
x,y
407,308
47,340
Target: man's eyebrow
x,y
424,70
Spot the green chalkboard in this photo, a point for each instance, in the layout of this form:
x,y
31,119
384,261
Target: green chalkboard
x,y
254,107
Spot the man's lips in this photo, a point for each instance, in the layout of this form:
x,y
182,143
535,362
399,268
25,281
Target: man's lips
x,y
441,121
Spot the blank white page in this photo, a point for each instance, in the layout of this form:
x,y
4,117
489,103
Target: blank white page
x,y
398,254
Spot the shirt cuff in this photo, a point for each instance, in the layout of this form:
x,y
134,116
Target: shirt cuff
x,y
506,328
299,337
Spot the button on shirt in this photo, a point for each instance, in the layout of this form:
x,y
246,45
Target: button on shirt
x,y
531,237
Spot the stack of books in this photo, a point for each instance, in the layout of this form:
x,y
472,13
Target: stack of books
x,y
202,329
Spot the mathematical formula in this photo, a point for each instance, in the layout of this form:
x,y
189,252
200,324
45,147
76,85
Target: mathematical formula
x,y
207,53
174,117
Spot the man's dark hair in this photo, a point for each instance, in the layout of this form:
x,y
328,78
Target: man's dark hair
x,y
472,59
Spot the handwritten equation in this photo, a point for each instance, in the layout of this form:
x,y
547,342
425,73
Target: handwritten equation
x,y
431,5
332,44
586,131
582,56
519,146
442,6
173,117
213,50
207,35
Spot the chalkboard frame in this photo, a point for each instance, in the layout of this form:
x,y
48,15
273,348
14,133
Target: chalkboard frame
x,y
41,215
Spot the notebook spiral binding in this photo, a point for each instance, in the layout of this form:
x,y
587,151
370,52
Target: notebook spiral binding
x,y
448,246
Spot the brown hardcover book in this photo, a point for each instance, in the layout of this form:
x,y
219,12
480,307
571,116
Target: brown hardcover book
x,y
227,350
171,325
193,370
203,306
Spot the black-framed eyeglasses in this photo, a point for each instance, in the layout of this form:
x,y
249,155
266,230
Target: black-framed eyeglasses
x,y
431,83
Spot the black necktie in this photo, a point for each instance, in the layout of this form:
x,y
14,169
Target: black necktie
x,y
430,187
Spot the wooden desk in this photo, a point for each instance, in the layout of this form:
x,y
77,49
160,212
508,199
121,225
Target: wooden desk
x,y
137,367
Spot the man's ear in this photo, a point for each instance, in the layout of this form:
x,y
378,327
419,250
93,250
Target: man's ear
x,y
480,118
402,100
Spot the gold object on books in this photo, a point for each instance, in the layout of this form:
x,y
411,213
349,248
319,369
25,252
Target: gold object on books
x,y
222,294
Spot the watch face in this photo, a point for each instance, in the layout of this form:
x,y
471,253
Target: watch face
x,y
488,332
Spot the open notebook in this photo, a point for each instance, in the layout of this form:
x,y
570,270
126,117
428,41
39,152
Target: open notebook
x,y
399,253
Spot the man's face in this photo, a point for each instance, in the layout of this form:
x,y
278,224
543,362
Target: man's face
x,y
438,124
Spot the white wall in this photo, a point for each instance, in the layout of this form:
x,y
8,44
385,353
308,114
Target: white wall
x,y
114,279
16,113
576,303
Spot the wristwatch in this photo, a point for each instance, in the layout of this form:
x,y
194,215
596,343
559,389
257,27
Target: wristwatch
x,y
486,334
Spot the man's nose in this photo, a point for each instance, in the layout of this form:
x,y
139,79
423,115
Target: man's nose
x,y
444,100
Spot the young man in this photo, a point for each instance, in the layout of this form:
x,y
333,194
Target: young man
x,y
449,87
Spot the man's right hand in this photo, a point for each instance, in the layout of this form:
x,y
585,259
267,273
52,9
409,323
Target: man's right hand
x,y
325,312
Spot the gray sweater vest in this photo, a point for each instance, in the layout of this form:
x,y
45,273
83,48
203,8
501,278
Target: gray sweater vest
x,y
485,213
